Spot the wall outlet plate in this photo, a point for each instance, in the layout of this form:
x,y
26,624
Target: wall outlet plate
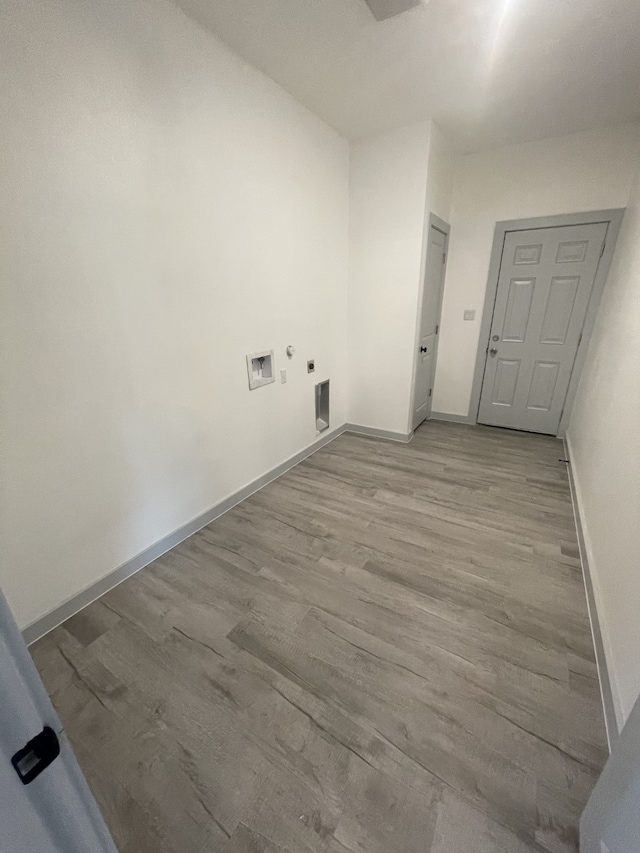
x,y
311,365
260,367
470,314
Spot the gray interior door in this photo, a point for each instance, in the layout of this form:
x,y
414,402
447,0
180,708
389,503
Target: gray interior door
x,y
429,324
53,812
545,282
611,821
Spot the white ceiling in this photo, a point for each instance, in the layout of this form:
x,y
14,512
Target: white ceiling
x,y
489,71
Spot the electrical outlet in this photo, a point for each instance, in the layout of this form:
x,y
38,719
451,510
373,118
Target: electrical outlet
x,y
470,314
283,377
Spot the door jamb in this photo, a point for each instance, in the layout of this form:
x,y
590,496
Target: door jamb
x,y
435,222
613,219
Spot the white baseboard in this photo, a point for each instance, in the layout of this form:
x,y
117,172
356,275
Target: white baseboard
x,y
606,690
374,432
74,604
455,419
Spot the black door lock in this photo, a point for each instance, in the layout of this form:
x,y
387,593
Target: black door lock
x,y
37,755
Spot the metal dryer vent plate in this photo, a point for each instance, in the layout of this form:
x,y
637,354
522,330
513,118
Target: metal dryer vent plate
x,y
383,9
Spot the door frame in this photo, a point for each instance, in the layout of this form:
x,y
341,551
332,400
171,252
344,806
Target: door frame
x,y
613,219
444,227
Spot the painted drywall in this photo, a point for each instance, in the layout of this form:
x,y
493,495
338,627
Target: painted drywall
x,y
388,184
438,200
579,172
605,452
165,210
439,174
396,180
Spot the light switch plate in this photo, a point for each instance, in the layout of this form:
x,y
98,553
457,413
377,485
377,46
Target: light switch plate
x,y
470,314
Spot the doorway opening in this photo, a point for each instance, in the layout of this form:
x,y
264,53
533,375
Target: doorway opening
x,y
426,351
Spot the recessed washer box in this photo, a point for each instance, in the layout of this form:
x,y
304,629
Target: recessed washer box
x,y
260,369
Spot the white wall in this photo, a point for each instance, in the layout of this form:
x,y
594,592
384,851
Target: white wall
x,y
440,166
388,182
165,209
395,178
604,443
569,174
439,175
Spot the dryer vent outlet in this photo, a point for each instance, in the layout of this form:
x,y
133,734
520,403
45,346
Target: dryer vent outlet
x,y
322,406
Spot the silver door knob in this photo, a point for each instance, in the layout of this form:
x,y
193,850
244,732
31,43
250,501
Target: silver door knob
x,y
493,352
495,338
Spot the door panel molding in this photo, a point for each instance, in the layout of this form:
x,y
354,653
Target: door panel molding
x,y
557,316
613,219
543,385
518,308
506,382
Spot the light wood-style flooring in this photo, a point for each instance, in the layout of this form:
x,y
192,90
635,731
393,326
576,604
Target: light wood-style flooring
x,y
387,650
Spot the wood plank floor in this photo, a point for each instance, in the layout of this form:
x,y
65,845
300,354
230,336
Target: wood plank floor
x,y
385,651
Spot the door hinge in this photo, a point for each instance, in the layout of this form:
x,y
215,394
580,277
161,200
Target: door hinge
x,y
437,327
604,243
444,257
580,339
430,390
